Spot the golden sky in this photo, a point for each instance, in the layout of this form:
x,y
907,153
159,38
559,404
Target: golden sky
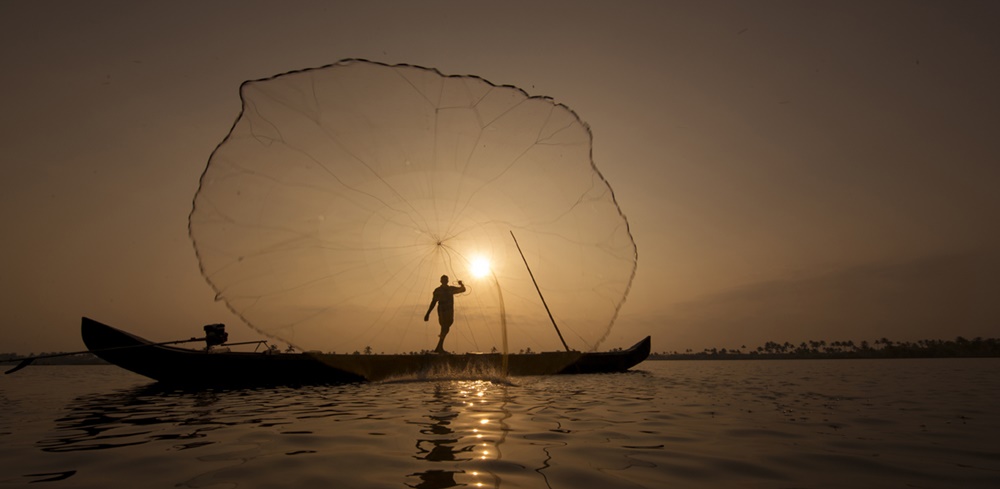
x,y
790,170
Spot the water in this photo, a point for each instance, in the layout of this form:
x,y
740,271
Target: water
x,y
769,424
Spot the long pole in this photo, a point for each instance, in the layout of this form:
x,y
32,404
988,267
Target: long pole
x,y
539,292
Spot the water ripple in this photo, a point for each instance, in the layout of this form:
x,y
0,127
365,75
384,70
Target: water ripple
x,y
682,424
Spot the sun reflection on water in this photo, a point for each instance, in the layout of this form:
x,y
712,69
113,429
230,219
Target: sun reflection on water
x,y
457,431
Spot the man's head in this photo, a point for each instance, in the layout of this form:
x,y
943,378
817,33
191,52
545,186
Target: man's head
x,y
444,280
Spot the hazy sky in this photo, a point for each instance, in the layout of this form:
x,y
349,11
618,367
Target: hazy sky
x,y
791,170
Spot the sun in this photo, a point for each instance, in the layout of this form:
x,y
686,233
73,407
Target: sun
x,y
479,267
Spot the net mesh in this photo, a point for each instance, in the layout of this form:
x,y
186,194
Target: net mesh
x,y
341,194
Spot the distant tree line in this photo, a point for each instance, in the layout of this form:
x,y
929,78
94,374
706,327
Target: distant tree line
x,y
882,348
960,347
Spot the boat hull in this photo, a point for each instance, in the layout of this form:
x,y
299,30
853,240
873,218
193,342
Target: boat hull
x,y
185,366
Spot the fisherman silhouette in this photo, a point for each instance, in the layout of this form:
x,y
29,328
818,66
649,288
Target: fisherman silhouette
x,y
444,298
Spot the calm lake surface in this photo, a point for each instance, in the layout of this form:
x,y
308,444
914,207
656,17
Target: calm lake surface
x,y
776,424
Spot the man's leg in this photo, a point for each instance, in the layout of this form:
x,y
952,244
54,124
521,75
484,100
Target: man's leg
x,y
444,332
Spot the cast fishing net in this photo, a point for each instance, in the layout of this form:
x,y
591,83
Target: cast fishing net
x,y
341,194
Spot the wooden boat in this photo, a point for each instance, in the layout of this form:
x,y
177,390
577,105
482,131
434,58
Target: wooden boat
x,y
184,366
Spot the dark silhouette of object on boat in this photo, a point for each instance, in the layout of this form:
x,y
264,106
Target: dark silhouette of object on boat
x,y
204,367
